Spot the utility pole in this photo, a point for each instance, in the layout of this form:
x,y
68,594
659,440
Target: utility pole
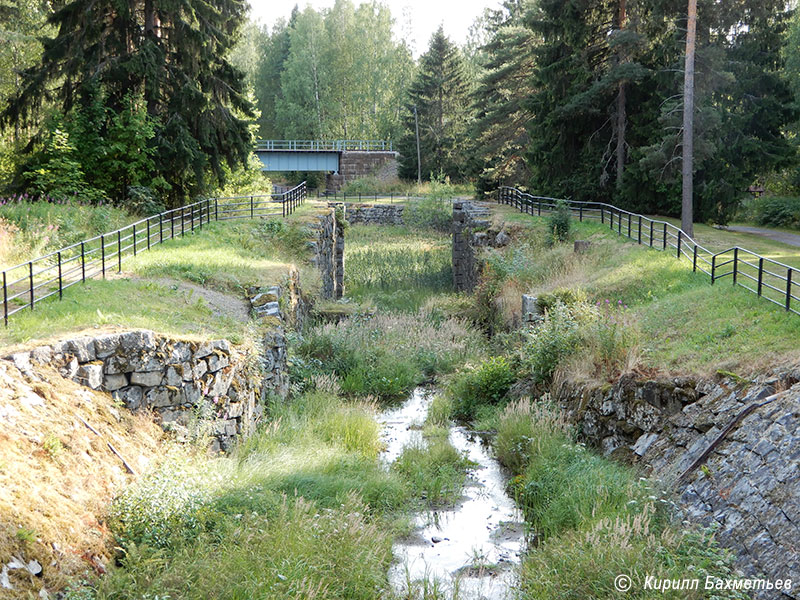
x,y
419,163
621,106
687,203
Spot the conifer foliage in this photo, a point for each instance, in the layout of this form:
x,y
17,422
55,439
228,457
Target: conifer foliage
x,y
169,53
441,94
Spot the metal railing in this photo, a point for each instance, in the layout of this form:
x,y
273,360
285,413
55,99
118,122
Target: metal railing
x,y
325,145
29,283
768,278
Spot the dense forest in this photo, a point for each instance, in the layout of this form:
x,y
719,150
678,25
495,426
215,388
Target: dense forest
x,y
155,102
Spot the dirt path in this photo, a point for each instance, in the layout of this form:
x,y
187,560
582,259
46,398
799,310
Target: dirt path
x,y
221,304
792,239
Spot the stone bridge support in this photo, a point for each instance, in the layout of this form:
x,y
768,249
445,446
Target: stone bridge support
x,y
355,164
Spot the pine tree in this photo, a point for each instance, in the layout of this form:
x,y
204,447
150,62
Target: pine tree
x,y
173,53
440,93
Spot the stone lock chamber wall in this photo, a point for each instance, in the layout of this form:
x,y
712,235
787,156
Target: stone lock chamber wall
x,y
749,486
211,384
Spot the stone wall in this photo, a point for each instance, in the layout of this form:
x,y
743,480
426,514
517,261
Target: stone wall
x,y
181,381
354,165
471,232
329,254
210,387
748,487
371,214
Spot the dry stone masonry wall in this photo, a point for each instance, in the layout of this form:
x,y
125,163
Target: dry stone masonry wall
x,y
371,214
329,254
210,387
748,487
471,232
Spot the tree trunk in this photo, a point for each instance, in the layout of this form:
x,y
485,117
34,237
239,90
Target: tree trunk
x,y
621,117
687,204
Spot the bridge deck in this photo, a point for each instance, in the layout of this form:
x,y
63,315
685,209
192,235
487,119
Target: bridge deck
x,y
324,145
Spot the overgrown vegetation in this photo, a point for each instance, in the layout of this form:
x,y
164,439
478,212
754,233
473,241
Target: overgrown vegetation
x,y
396,267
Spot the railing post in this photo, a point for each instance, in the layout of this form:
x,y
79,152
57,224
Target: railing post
x,y
540,207
30,274
580,213
760,274
60,278
252,208
680,236
694,259
602,215
148,233
611,219
629,224
735,263
216,209
183,221
665,237
651,234
103,255
713,268
160,228
119,250
5,300
134,240
789,289
640,230
619,222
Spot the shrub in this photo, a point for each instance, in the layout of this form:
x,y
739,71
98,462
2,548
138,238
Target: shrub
x,y
550,343
429,213
487,384
567,296
777,211
559,223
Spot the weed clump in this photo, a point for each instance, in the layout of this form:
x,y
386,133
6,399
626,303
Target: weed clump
x,y
558,225
487,384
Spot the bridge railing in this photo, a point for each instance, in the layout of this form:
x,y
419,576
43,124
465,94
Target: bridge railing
x,y
325,145
768,278
28,283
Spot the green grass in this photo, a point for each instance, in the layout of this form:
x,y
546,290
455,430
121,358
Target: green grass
x,y
302,509
386,355
433,470
224,256
396,267
594,519
686,324
122,303
30,229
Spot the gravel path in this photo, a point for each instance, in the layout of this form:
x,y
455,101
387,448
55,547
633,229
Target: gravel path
x,y
792,239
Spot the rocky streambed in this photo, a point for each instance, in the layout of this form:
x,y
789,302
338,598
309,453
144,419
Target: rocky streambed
x,y
470,548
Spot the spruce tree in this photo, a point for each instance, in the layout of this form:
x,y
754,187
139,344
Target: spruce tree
x,y
440,93
170,51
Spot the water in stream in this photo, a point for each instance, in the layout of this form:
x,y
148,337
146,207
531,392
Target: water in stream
x,y
472,547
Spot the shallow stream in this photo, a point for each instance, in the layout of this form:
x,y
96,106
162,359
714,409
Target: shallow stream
x,y
471,548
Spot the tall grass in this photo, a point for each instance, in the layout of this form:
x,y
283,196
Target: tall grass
x,y
594,519
385,355
395,267
29,229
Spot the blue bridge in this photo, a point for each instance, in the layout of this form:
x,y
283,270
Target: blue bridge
x,y
313,155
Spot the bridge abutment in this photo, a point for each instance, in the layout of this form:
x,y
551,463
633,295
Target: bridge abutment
x,y
355,164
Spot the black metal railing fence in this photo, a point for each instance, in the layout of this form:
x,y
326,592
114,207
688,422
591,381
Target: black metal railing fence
x,y
768,278
28,283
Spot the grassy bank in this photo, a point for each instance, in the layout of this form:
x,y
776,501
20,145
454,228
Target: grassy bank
x,y
682,323
223,257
